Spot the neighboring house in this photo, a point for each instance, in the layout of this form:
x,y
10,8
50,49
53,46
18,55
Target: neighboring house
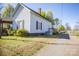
x,y
6,22
30,20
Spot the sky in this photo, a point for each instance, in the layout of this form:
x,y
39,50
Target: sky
x,y
71,13
67,12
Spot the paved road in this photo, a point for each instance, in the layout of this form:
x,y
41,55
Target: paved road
x,y
61,47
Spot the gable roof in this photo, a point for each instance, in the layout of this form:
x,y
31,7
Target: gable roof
x,y
21,4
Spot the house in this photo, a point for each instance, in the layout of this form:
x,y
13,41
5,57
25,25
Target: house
x,y
30,20
5,23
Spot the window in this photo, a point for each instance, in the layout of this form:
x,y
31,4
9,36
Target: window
x,y
36,25
41,26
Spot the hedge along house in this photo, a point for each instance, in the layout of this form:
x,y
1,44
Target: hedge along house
x,y
30,20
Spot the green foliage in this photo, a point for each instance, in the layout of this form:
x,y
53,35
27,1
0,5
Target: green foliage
x,y
49,14
55,32
61,28
7,11
52,21
56,21
11,32
43,13
21,32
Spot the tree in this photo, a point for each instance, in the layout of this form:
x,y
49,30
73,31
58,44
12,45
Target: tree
x,y
43,13
52,21
61,28
49,14
56,21
7,11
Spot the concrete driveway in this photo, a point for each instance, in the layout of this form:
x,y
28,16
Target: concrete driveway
x,y
61,47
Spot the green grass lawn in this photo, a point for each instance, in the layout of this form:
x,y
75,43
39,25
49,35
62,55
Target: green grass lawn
x,y
13,46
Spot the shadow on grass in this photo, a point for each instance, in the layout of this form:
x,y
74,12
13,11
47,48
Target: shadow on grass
x,y
42,36
59,36
34,36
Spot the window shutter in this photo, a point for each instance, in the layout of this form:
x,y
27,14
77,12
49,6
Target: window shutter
x,y
41,26
36,25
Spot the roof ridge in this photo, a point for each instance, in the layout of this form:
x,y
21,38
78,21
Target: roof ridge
x,y
32,10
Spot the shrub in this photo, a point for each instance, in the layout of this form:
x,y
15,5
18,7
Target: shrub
x,y
21,32
61,28
11,32
55,32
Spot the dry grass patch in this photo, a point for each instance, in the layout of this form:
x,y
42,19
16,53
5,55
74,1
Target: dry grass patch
x,y
19,47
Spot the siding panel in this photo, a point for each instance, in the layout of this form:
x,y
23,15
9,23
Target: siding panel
x,y
45,24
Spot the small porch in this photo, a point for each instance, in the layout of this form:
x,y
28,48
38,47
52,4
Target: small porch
x,y
6,24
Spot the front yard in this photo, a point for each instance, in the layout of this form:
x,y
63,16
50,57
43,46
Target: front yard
x,y
27,46
13,46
